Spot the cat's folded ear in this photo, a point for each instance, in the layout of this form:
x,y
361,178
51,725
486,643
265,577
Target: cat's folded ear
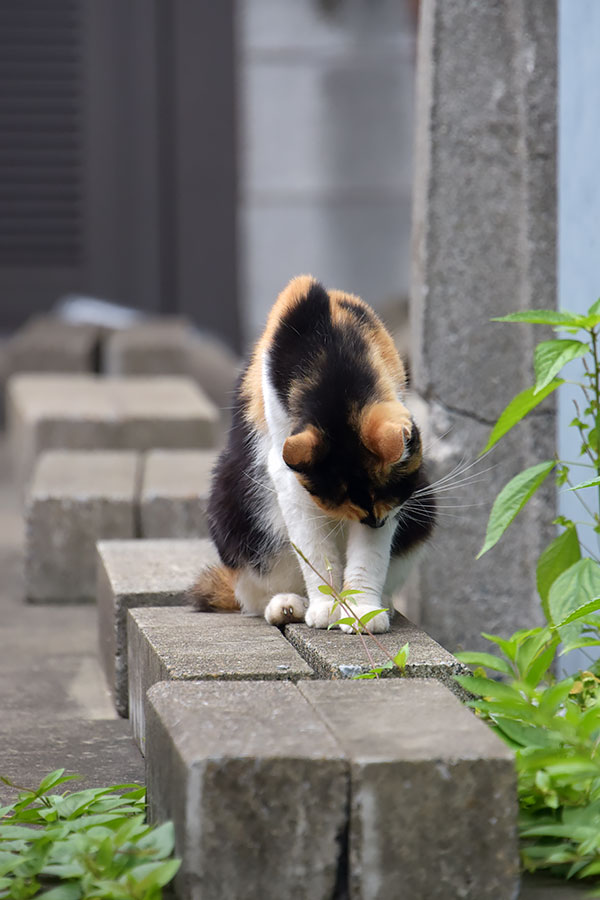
x,y
385,429
300,450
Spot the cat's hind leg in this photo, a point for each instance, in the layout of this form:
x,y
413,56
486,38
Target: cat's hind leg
x,y
283,609
275,594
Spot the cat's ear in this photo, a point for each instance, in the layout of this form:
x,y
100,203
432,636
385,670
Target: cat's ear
x,y
385,429
300,450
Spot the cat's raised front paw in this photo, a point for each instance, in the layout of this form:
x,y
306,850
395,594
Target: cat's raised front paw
x,y
320,615
285,608
376,625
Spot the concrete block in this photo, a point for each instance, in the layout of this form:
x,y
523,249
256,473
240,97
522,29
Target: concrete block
x,y
140,573
433,802
75,499
484,225
255,785
156,347
81,412
179,644
174,494
214,367
49,344
167,412
335,655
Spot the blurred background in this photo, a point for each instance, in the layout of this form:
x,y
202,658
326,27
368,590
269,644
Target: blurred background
x,y
187,158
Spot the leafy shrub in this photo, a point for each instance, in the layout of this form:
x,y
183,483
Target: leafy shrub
x,y
93,843
552,723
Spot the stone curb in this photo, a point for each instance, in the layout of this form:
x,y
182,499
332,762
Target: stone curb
x,y
174,493
432,791
74,500
140,573
84,412
333,654
179,644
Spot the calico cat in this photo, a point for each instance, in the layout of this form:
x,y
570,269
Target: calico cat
x,y
323,453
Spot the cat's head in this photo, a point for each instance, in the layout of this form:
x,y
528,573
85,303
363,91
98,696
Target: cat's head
x,y
363,467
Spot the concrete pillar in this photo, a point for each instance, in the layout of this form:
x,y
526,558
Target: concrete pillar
x,y
484,244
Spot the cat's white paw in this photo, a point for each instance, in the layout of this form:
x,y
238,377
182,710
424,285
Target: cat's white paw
x,y
285,608
320,615
376,625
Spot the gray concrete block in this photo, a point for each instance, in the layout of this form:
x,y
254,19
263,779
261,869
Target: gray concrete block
x,y
333,654
174,494
140,573
166,412
433,803
79,412
49,344
214,367
484,224
75,499
255,785
179,644
156,347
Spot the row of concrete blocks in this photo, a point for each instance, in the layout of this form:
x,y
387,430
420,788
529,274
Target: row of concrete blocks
x,y
85,412
283,776
76,498
165,346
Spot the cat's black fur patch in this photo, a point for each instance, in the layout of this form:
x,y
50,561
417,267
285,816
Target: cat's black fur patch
x,y
417,521
233,511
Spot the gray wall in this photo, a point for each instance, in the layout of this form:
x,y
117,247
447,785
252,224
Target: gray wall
x,y
326,132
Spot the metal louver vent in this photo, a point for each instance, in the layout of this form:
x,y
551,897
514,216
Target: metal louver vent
x,y
40,133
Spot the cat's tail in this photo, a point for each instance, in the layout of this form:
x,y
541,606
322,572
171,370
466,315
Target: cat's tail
x,y
214,591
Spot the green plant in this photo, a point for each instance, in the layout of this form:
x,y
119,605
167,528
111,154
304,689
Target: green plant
x,y
92,843
552,723
359,625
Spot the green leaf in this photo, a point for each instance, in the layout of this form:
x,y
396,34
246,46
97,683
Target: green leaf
x,y
486,687
524,734
581,612
573,588
401,657
585,484
511,500
541,317
364,620
551,356
347,620
326,589
517,409
488,660
558,556
65,891
594,309
349,592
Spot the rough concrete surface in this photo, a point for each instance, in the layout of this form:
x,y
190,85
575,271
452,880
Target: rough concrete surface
x,y
256,787
49,344
140,573
333,654
484,242
84,412
75,499
433,792
179,644
174,493
148,348
56,708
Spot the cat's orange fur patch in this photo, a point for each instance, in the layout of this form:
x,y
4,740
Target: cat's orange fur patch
x,y
384,430
214,590
300,449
